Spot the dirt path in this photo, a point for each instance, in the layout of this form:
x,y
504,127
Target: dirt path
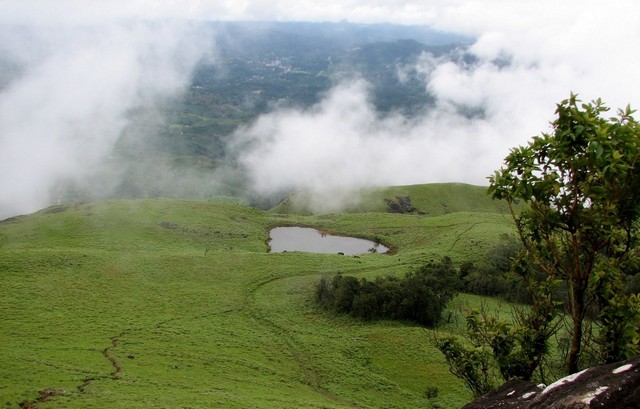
x,y
312,378
462,234
117,368
49,393
43,396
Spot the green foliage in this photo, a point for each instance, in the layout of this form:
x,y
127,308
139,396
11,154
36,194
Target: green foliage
x,y
468,362
619,337
581,185
402,204
499,350
619,333
421,296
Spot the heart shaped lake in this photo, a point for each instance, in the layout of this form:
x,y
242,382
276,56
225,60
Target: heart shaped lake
x,y
304,239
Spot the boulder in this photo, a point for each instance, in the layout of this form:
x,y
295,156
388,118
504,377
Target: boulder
x,y
513,394
607,386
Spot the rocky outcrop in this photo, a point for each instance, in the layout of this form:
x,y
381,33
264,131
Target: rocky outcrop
x,y
607,386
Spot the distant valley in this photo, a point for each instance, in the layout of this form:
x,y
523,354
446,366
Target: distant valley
x,y
180,147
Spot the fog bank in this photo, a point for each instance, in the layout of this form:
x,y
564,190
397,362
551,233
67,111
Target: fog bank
x,y
74,74
528,56
67,93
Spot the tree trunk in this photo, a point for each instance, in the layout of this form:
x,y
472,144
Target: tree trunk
x,y
577,315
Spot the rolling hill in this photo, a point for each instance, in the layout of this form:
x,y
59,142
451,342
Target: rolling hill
x,y
174,303
434,199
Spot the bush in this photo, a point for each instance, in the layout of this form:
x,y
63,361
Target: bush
x,y
421,296
504,273
431,392
401,205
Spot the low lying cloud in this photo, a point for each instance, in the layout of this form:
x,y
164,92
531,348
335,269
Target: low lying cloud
x,y
67,94
527,57
72,72
343,143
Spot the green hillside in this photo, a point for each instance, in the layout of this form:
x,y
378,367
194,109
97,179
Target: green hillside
x,y
429,199
166,303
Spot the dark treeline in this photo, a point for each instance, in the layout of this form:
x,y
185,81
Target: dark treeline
x,y
505,269
421,296
495,276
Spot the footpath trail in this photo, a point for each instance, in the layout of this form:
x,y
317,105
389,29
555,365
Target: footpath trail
x,y
43,396
284,332
312,378
117,368
50,393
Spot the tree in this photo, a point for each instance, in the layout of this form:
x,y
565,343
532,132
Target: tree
x,y
493,349
427,291
581,187
469,362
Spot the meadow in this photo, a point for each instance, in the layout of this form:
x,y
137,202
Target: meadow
x,y
178,304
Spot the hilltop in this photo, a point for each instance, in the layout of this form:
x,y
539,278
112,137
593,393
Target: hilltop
x,y
433,199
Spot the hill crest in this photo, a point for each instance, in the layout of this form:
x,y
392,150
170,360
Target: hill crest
x,y
433,199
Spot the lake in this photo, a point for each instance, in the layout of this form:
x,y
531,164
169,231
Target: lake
x,y
313,241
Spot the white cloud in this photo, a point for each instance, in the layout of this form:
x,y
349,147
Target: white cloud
x,y
529,55
341,143
67,105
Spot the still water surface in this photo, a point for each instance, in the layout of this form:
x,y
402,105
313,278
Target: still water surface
x,y
312,241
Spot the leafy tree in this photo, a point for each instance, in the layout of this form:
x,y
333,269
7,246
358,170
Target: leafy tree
x,y
581,185
494,349
470,362
427,291
347,288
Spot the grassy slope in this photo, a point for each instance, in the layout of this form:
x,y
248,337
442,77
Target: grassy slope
x,y
161,303
432,199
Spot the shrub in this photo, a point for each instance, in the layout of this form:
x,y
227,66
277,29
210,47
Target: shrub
x,y
431,392
420,296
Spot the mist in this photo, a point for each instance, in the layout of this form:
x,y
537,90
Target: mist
x,y
495,95
342,145
75,77
68,92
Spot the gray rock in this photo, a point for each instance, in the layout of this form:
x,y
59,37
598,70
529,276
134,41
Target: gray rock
x,y
608,386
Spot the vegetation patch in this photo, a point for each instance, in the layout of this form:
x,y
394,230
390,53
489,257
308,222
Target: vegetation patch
x,y
420,296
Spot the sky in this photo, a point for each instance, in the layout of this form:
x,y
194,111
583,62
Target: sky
x,y
113,56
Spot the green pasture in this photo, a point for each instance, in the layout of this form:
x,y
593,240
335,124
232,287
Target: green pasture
x,y
434,199
178,304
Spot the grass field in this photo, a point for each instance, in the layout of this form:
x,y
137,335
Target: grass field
x,y
177,304
434,199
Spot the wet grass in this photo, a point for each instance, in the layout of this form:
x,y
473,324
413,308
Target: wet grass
x,y
161,303
435,199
